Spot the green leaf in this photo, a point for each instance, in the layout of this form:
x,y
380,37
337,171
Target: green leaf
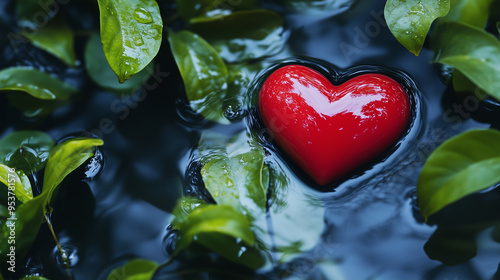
x,y
243,35
63,159
463,86
410,20
131,33
231,250
472,12
32,107
137,269
34,82
31,277
203,72
17,182
464,164
185,206
472,51
234,172
26,150
498,26
102,74
29,217
211,8
221,219
56,38
29,12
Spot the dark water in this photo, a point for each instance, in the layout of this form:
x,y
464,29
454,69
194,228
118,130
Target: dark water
x,y
371,227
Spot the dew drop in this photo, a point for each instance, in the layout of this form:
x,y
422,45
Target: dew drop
x,y
138,41
143,16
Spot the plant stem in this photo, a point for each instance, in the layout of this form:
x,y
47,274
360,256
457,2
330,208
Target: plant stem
x,y
66,261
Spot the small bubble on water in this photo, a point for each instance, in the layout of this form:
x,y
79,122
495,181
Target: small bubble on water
x,y
70,254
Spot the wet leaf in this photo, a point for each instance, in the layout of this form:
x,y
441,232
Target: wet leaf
x,y
243,35
462,165
31,277
203,72
34,82
231,250
137,269
26,150
222,219
473,12
211,8
56,38
29,217
102,74
16,180
410,20
63,159
131,33
234,172
185,206
472,51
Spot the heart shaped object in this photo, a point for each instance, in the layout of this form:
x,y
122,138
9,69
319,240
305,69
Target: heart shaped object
x,y
330,130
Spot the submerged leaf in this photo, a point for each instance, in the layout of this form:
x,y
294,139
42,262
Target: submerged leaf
x,y
102,74
203,72
235,175
222,219
230,249
34,82
131,33
137,269
64,159
243,35
410,20
26,150
56,38
464,164
474,52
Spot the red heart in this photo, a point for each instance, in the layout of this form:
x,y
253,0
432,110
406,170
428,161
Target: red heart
x,y
330,130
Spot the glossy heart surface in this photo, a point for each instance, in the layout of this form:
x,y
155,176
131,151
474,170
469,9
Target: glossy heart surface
x,y
331,130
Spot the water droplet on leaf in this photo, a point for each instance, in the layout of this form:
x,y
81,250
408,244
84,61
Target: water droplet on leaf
x,y
138,41
143,16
